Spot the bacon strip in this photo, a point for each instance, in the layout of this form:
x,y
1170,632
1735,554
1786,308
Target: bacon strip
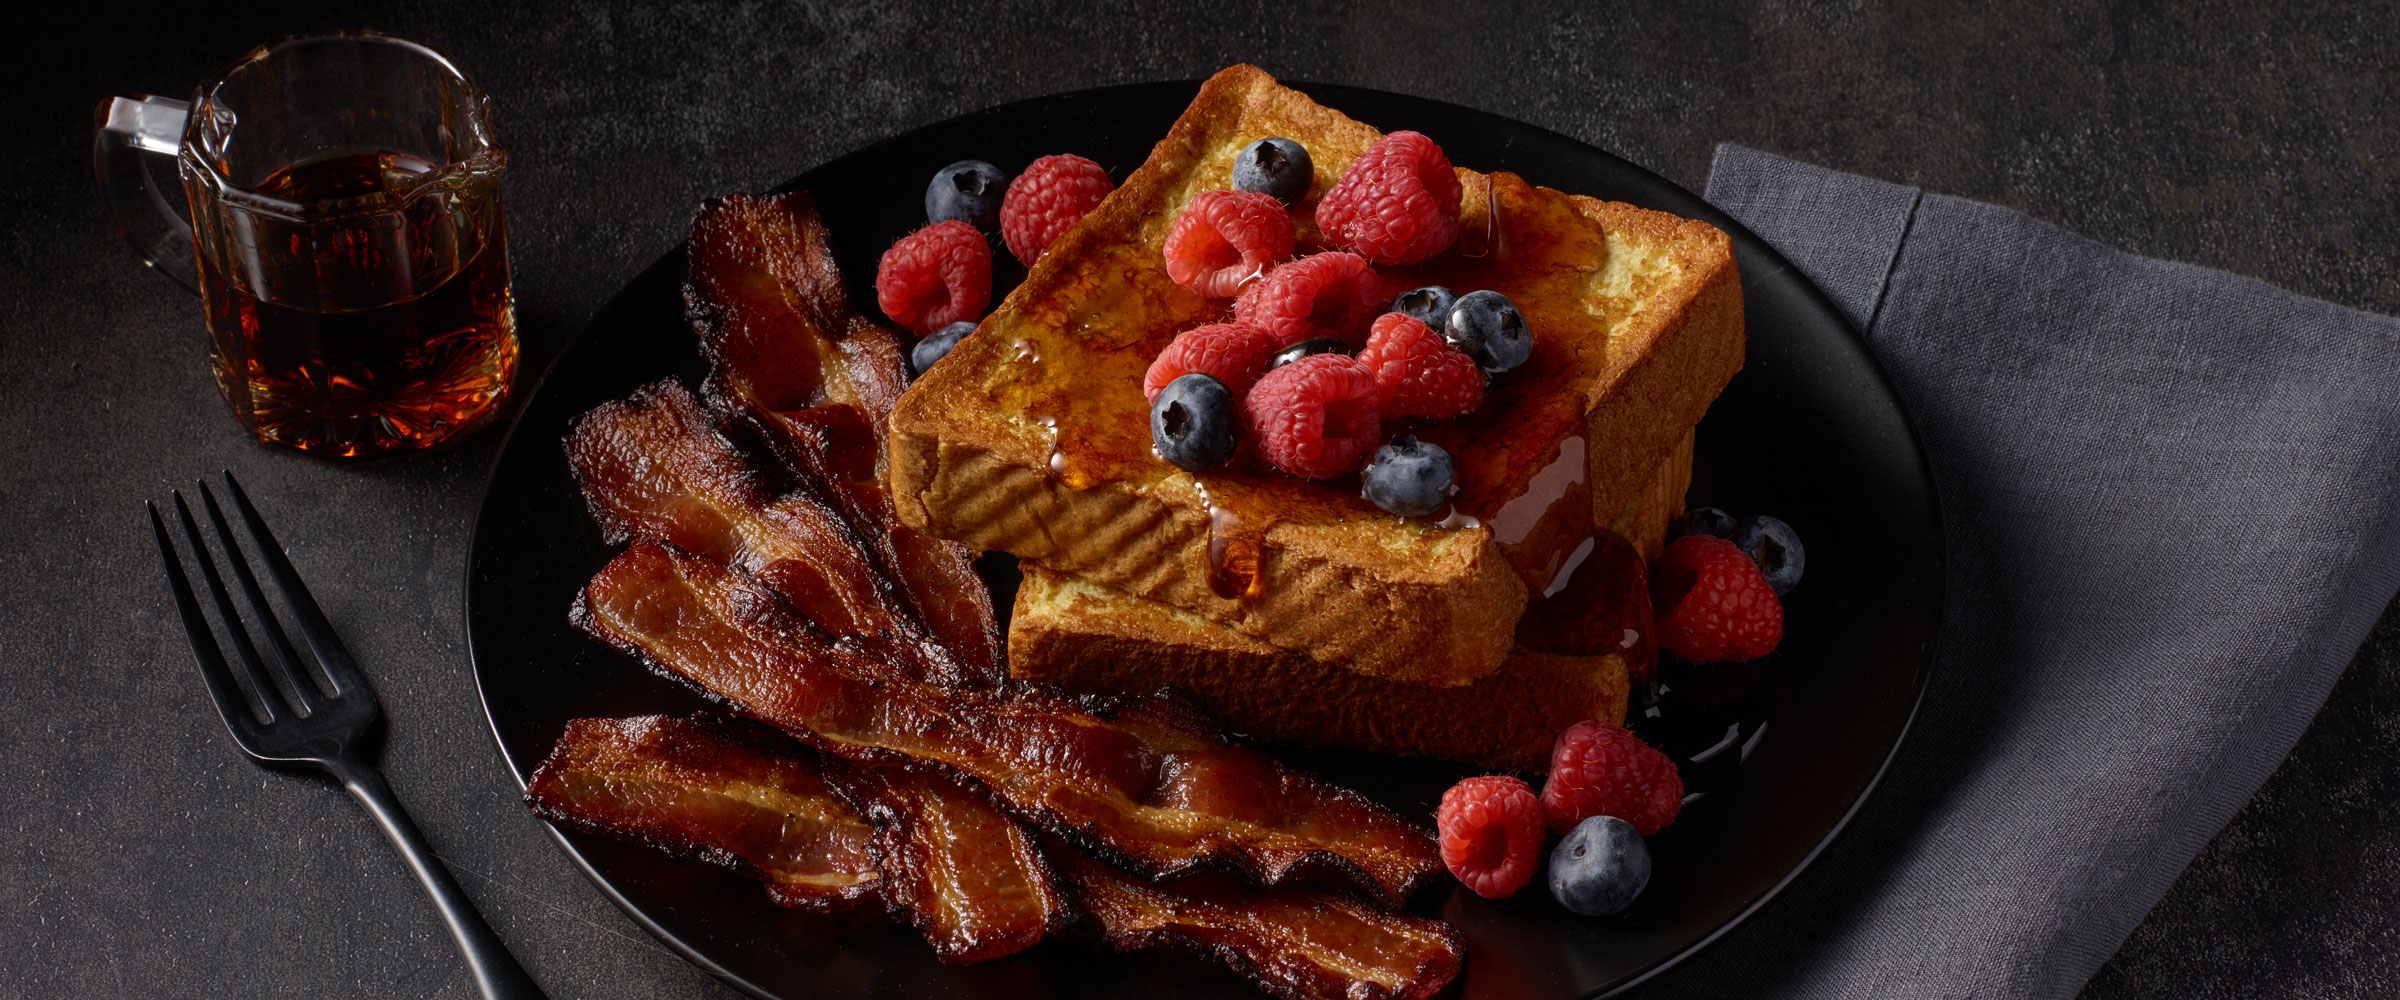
x,y
653,466
764,293
787,357
967,877
1148,785
1294,943
946,863
1298,944
694,789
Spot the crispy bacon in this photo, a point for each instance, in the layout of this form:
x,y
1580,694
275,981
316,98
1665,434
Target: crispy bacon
x,y
654,467
705,781
1294,943
766,296
787,357
694,788
968,878
963,874
815,610
1148,785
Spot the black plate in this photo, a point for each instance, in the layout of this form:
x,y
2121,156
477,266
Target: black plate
x,y
1809,431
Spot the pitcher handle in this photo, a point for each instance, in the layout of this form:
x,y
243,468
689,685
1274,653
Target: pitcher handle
x,y
130,129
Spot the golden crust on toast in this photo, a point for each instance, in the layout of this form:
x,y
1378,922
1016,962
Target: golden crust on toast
x,y
1085,637
1032,437
1644,518
1081,636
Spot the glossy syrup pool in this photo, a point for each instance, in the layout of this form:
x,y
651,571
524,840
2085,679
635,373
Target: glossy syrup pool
x,y
1707,717
1233,554
1072,354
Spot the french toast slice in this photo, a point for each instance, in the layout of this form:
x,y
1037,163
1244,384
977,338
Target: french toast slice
x,y
1032,437
1082,636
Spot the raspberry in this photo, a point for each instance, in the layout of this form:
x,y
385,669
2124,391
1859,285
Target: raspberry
x,y
1597,769
1396,204
936,276
1316,418
1417,374
1322,295
1227,239
1047,199
1234,353
1712,602
1491,834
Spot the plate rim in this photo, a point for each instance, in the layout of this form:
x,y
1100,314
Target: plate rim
x,y
1697,207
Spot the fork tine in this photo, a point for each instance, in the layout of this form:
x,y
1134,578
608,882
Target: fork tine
x,y
289,658
231,703
265,689
331,654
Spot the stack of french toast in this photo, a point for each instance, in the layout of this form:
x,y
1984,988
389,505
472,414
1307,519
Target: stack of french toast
x,y
796,543
1295,610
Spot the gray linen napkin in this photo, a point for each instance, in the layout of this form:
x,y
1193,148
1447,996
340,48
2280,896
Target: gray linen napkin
x,y
2171,516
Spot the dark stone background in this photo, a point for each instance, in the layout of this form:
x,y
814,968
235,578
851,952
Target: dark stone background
x,y
140,855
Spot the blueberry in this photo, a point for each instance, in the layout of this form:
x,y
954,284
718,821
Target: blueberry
x,y
937,345
1489,328
1408,477
1777,549
968,191
1600,867
1277,167
1192,422
1702,521
1429,305
1313,345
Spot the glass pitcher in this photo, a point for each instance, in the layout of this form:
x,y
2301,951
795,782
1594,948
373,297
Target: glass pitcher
x,y
345,238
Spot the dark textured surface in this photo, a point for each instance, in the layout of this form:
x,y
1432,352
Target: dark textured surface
x,y
142,856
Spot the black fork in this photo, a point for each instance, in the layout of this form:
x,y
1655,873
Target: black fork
x,y
321,718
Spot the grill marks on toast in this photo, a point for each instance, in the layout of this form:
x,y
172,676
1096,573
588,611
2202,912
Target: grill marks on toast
x,y
818,384
743,802
1147,785
1640,321
1571,663
1082,636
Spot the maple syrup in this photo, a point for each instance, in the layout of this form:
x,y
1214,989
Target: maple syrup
x,y
388,329
1598,604
1540,528
1077,355
1233,554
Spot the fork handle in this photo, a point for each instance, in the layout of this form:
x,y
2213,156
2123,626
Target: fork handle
x,y
497,973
